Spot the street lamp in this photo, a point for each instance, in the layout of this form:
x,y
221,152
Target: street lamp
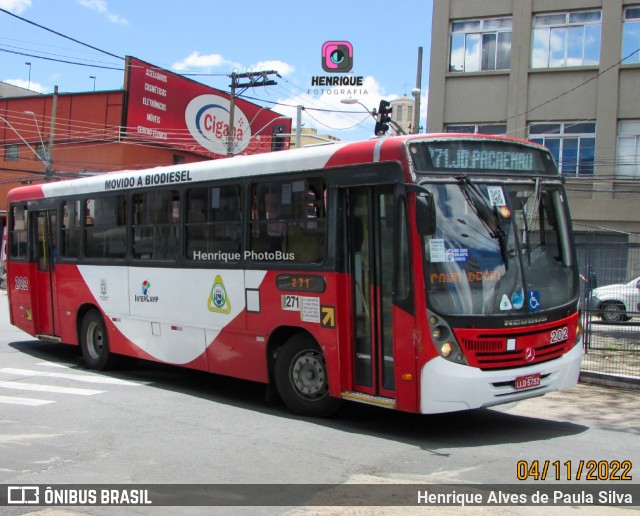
x,y
47,156
94,81
352,101
19,135
374,113
47,162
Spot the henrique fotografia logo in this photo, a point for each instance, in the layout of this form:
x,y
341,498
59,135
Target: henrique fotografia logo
x,y
337,56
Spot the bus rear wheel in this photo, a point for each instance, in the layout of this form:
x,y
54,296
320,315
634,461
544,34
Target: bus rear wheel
x,y
301,378
94,342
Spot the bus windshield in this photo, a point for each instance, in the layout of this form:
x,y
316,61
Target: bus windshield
x,y
500,248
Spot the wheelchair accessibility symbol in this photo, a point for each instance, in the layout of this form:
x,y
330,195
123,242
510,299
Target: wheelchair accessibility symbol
x,y
534,301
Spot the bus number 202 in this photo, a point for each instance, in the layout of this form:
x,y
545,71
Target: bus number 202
x,y
559,335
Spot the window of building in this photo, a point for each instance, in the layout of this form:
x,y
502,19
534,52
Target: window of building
x,y
214,223
478,45
106,227
631,35
500,129
288,221
156,224
628,153
566,39
398,116
41,152
11,152
572,145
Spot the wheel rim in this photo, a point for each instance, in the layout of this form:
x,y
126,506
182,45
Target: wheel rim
x,y
612,313
95,340
308,375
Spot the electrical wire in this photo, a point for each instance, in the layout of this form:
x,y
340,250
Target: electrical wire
x,y
60,34
101,67
570,90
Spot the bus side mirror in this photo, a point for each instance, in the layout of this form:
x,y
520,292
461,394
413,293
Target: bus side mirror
x,y
425,214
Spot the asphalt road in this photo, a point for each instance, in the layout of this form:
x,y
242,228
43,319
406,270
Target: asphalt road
x,y
151,424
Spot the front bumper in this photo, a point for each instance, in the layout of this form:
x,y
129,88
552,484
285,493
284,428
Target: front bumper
x,y
449,387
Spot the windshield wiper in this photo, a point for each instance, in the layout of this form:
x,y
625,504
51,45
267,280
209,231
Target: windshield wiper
x,y
487,214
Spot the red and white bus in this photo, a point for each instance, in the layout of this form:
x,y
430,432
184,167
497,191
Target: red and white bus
x,y
426,273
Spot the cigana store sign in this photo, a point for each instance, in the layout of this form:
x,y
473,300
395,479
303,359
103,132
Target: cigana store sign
x,y
172,110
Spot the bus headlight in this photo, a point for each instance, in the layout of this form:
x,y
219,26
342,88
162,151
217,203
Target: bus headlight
x,y
445,341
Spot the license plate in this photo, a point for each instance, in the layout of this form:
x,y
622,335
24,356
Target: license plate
x,y
527,382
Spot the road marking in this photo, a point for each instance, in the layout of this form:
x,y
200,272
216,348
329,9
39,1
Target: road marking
x,y
24,401
68,376
25,386
58,364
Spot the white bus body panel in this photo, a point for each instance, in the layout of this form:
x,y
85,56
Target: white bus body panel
x,y
168,312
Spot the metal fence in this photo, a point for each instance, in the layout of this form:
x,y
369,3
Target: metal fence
x,y
610,290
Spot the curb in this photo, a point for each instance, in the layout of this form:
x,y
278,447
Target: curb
x,y
609,380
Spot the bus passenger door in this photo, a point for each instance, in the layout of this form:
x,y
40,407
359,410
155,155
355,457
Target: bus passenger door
x,y
371,220
44,297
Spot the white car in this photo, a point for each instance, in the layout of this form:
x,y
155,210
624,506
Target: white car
x,y
616,303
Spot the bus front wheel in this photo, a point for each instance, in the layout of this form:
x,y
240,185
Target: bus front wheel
x,y
301,378
94,342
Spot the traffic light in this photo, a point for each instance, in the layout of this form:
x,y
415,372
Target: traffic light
x,y
384,117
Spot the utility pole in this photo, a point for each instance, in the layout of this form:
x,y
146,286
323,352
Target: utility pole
x,y
255,79
299,109
52,129
416,94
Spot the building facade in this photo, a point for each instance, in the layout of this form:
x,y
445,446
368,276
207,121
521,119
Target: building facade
x,y
564,73
310,136
402,113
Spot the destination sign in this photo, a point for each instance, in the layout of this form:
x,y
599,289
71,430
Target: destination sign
x,y
480,156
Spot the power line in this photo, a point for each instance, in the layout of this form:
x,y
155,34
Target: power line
x,y
60,34
618,63
59,60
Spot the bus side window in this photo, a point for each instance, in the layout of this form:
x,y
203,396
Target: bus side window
x,y
156,225
70,247
18,232
289,218
267,219
306,231
106,227
214,223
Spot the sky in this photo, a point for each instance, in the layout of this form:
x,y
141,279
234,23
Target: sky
x,y
215,38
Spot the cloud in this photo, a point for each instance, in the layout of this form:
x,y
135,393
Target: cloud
x,y
100,6
203,62
281,67
200,61
324,111
15,6
33,86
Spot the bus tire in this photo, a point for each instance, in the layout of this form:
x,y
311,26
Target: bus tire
x,y
94,342
301,378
